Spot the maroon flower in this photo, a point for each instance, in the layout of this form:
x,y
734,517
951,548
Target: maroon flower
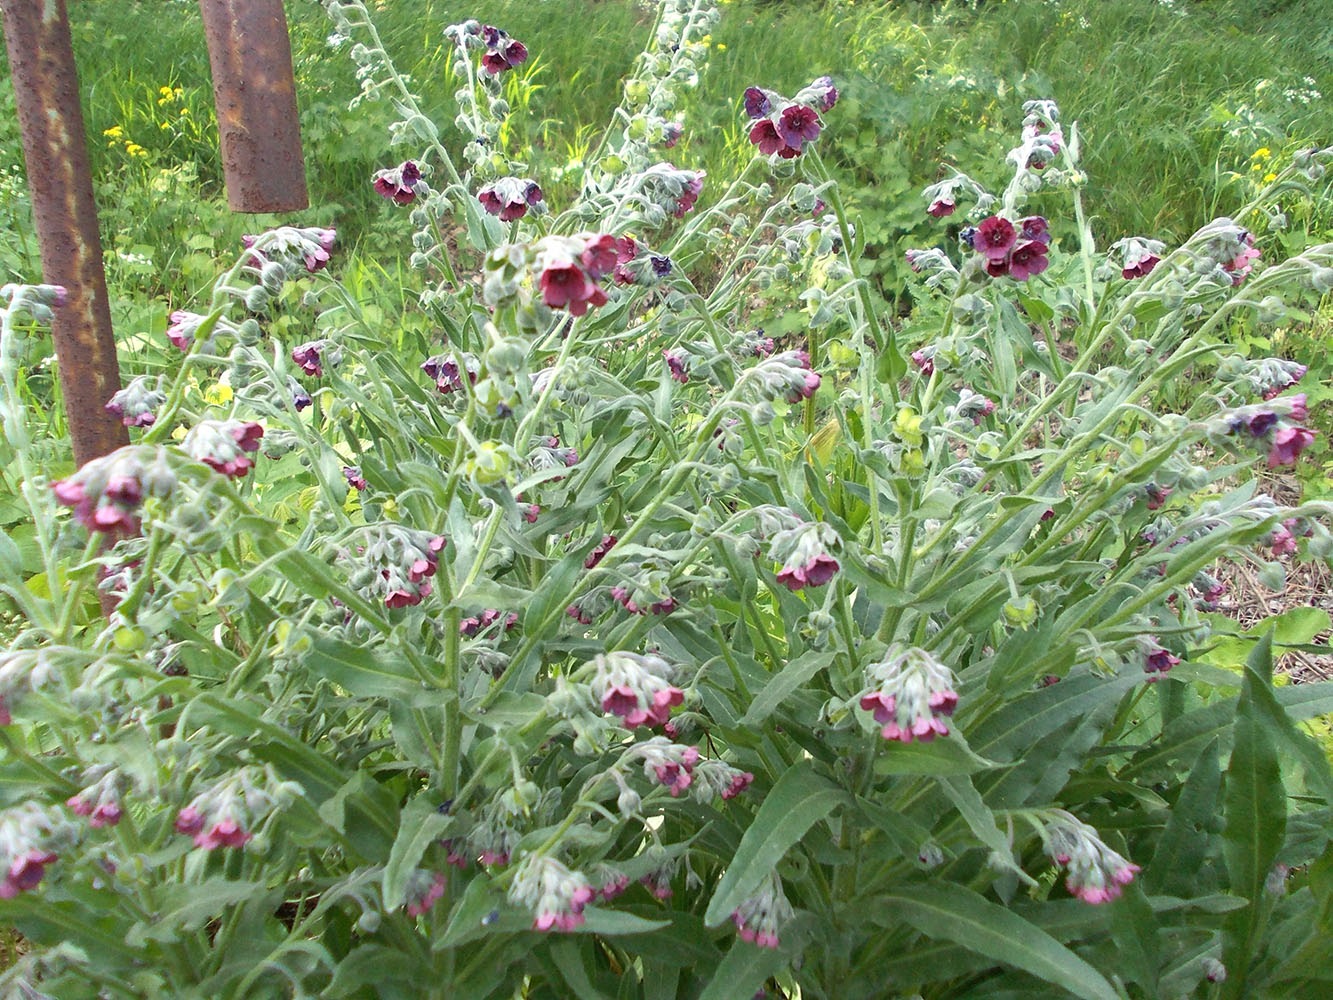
x,y
600,255
399,184
1141,268
1288,443
764,134
678,363
995,237
25,872
1027,259
924,362
502,52
690,195
817,572
1158,662
189,822
566,285
354,478
1157,495
182,328
671,133
307,357
1299,411
509,198
941,207
599,552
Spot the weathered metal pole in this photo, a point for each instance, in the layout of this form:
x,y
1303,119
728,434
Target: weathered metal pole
x,y
46,87
254,91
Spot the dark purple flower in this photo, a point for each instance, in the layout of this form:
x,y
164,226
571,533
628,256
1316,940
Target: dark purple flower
x,y
307,357
1260,424
678,362
671,133
354,478
757,103
690,194
509,198
25,872
817,572
502,52
1034,227
1157,495
941,207
1027,259
1158,662
826,94
598,553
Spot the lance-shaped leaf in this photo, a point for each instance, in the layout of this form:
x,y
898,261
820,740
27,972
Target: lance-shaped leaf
x,y
952,913
1255,807
799,800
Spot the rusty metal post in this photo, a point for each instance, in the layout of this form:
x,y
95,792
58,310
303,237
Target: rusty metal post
x,y
254,91
46,86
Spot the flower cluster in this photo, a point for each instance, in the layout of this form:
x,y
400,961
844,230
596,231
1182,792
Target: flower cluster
x,y
673,189
1097,874
636,265
804,552
399,562
227,812
474,624
1008,249
399,184
784,127
502,52
670,764
28,834
424,890
100,799
311,356
290,245
1156,660
555,894
759,917
137,403
1274,425
21,670
1137,256
636,686
1266,377
563,270
106,493
510,197
910,694
443,369
224,445
786,375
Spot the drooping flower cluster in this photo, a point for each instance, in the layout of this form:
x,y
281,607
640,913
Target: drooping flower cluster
x,y
290,245
942,197
761,915
1008,249
1266,377
224,445
1137,256
510,197
555,894
227,813
21,670
910,694
599,551
311,356
1226,248
137,403
424,889
1157,662
398,563
399,184
30,838
473,624
563,270
444,370
636,265
804,550
672,189
670,764
502,52
100,799
1097,874
786,375
106,493
638,687
784,127
1274,424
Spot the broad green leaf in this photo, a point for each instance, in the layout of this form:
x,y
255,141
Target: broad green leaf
x,y
420,824
747,967
953,913
361,671
799,800
1183,845
187,906
784,682
1134,929
1255,807
1026,720
372,964
565,954
907,834
948,755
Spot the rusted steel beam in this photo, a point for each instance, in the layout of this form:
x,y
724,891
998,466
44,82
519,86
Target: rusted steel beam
x,y
254,91
46,86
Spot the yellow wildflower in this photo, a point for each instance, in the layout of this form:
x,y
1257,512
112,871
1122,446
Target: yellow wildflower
x,y
1262,153
218,394
134,149
1270,178
115,131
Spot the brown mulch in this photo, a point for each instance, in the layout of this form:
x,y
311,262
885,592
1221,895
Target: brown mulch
x,y
1309,585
